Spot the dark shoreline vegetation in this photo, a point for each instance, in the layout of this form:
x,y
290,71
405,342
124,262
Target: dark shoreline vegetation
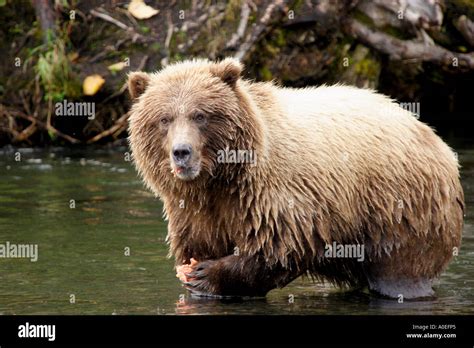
x,y
421,55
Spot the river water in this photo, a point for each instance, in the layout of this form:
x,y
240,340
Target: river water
x,y
101,247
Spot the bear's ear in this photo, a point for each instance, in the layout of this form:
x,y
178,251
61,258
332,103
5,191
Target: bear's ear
x,y
137,83
228,70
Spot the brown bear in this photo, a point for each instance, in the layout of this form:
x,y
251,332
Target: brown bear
x,y
262,184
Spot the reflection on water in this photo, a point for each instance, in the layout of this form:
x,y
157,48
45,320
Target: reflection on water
x,y
101,240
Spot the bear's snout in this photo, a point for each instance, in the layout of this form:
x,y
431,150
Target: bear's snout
x,y
182,154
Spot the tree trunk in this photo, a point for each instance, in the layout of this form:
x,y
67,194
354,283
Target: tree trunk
x,y
46,15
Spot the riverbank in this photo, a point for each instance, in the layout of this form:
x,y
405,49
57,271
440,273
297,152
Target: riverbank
x,y
295,43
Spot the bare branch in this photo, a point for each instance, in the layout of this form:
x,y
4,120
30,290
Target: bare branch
x,y
117,125
110,19
466,28
407,49
244,18
45,126
274,11
169,35
130,30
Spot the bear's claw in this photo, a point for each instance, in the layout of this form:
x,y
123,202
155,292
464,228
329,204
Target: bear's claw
x,y
198,281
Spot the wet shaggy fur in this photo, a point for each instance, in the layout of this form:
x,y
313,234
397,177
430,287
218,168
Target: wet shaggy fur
x,y
334,164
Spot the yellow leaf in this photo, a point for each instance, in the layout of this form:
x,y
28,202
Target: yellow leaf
x,y
117,66
92,84
140,10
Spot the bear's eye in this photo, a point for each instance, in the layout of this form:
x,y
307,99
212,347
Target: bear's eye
x,y
199,117
164,121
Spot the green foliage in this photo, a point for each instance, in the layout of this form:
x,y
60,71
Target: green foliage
x,y
155,47
145,29
266,74
279,38
176,57
64,3
181,36
232,11
55,72
368,68
363,18
17,28
52,135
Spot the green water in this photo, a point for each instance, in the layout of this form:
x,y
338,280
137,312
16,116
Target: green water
x,y
83,247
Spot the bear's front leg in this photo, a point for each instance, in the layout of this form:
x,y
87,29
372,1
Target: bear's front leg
x,y
235,275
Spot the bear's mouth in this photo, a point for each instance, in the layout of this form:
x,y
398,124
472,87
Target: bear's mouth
x,y
185,173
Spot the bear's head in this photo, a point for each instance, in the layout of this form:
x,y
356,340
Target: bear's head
x,y
183,116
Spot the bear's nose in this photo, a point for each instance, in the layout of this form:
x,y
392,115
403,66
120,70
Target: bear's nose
x,y
181,153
